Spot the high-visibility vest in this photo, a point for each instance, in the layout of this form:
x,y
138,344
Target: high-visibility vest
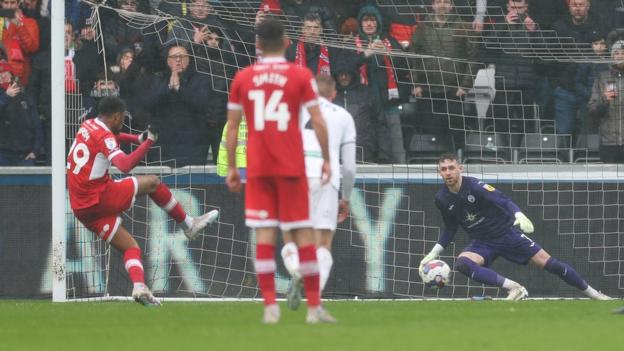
x,y
241,150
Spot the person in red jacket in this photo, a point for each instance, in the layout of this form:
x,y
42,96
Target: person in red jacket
x,y
20,36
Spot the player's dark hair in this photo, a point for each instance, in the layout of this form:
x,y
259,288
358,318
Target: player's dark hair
x,y
110,105
270,35
448,156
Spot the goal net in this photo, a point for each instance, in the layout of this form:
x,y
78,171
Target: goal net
x,y
466,103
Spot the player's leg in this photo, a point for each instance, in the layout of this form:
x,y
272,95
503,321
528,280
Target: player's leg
x,y
567,273
325,217
125,243
324,256
265,272
261,214
290,257
161,195
294,215
290,254
472,263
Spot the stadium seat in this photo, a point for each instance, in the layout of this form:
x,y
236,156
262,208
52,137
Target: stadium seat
x,y
483,92
587,148
487,148
426,148
544,148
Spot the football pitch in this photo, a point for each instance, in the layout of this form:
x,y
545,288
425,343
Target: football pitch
x,y
393,325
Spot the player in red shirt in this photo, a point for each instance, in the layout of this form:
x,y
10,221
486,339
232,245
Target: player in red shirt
x,y
98,201
271,93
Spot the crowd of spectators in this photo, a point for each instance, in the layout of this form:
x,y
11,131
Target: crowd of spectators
x,y
176,73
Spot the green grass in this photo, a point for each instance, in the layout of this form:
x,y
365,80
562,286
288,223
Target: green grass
x,y
402,325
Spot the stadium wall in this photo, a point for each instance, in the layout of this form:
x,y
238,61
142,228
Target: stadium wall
x,y
375,255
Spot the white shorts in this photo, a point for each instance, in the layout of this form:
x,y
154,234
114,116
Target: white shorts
x,y
323,204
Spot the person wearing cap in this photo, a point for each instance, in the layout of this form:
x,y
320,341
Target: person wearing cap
x,y
606,106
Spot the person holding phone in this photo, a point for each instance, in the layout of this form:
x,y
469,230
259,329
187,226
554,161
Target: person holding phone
x,y
607,109
21,136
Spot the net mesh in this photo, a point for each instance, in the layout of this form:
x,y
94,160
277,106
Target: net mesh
x,y
500,132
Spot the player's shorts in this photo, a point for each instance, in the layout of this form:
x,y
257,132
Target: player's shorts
x,y
323,204
104,218
514,247
277,201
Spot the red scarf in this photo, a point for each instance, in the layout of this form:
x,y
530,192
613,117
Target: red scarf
x,y
393,90
70,73
323,62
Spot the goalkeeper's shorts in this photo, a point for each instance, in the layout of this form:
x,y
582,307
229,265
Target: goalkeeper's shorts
x,y
514,246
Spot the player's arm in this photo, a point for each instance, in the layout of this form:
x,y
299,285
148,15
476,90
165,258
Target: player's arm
x,y
506,204
235,115
348,168
446,236
125,138
126,162
320,129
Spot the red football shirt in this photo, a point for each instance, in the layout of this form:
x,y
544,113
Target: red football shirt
x,y
271,94
88,161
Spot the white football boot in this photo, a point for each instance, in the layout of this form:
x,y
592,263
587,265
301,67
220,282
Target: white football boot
x,y
142,294
271,314
518,293
318,315
201,222
294,293
602,297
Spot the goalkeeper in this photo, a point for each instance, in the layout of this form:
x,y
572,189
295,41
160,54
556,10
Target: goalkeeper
x,y
496,225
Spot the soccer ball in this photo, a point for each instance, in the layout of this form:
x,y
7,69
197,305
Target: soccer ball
x,y
435,274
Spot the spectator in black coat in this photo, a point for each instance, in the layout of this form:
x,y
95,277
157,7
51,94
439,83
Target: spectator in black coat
x,y
181,100
359,101
513,108
388,77
581,26
309,50
21,136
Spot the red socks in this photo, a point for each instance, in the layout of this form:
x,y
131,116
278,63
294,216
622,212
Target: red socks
x,y
308,266
163,198
132,262
265,272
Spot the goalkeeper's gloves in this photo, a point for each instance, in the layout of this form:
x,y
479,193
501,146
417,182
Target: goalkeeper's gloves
x,y
524,223
150,133
432,255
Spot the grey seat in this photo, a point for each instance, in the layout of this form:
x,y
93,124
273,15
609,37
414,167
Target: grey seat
x,y
427,148
487,147
544,148
587,148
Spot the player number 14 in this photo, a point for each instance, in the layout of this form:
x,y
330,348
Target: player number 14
x,y
272,110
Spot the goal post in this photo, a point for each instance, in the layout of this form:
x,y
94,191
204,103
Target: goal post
x,y
59,209
393,222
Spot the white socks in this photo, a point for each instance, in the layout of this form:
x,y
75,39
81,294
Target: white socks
x,y
510,284
290,255
325,262
591,292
